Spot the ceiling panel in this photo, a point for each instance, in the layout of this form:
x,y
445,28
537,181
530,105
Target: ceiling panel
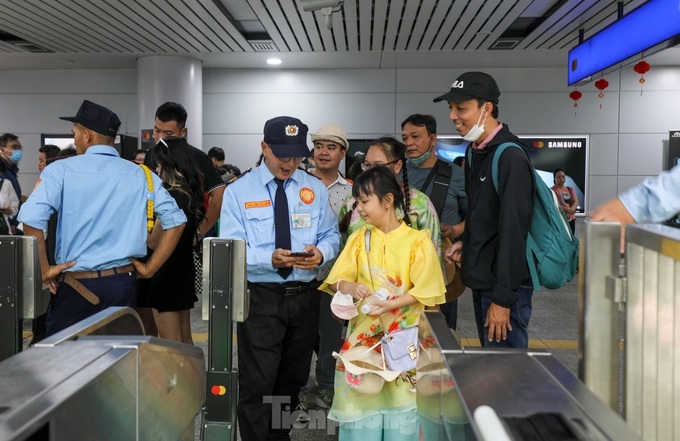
x,y
390,32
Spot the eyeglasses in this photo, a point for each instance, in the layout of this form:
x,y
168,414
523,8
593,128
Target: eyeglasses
x,y
367,165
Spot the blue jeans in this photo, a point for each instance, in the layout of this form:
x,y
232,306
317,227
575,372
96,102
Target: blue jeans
x,y
520,313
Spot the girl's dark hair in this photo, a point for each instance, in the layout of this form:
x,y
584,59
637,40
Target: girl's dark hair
x,y
180,172
395,151
380,181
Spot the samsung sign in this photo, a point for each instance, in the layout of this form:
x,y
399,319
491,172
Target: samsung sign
x,y
565,145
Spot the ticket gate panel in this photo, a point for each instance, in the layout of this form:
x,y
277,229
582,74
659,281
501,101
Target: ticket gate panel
x,y
225,300
33,298
10,338
83,387
530,393
91,400
21,293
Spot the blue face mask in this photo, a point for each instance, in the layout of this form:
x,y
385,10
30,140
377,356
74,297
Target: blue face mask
x,y
15,156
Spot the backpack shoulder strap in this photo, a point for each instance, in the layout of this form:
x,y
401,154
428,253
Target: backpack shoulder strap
x,y
496,157
440,188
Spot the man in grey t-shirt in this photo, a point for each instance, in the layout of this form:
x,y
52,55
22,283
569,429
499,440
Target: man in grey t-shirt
x,y
419,134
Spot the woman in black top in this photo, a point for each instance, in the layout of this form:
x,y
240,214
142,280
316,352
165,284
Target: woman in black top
x,y
171,291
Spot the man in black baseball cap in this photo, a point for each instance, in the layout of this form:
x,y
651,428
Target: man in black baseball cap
x,y
498,219
472,85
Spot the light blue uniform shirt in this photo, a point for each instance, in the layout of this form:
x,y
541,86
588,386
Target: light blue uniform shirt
x,y
248,213
101,201
656,199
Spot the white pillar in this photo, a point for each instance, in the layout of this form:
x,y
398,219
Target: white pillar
x,y
171,78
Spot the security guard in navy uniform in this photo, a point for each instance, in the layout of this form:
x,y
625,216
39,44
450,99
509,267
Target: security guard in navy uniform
x,y
284,216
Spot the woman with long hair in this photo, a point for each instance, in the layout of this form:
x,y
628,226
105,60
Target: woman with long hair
x,y
171,291
389,152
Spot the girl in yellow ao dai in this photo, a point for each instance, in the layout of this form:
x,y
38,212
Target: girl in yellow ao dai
x,y
405,262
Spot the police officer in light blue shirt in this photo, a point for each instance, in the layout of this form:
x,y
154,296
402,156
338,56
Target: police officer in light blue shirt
x,y
276,341
102,202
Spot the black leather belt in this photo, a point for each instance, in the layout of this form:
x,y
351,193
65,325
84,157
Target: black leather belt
x,y
290,288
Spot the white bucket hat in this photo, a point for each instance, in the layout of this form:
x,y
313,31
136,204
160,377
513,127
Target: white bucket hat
x,y
333,133
365,370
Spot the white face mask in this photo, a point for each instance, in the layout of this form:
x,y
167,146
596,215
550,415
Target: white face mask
x,y
343,306
476,131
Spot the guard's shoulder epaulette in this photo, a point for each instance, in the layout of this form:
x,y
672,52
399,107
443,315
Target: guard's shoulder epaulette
x,y
242,174
309,173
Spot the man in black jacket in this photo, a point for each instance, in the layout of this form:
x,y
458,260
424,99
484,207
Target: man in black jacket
x,y
494,241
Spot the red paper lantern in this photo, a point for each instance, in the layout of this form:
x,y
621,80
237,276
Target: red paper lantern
x,y
642,67
601,85
575,95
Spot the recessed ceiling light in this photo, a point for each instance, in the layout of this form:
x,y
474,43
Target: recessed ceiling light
x,y
273,61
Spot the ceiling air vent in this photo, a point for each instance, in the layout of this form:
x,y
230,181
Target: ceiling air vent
x,y
21,43
505,43
263,45
30,47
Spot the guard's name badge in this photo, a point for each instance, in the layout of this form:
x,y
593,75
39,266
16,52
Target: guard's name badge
x,y
258,204
301,220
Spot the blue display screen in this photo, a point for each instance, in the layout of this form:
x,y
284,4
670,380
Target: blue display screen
x,y
647,26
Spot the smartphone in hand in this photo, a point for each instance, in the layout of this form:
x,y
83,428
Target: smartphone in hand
x,y
302,254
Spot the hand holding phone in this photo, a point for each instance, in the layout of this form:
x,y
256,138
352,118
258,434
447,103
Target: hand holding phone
x,y
302,254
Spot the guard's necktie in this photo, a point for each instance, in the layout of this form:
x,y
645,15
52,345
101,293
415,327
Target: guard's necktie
x,y
281,224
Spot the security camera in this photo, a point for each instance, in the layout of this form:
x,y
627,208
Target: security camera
x,y
315,5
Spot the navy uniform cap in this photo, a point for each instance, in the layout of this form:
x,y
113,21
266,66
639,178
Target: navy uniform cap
x,y
287,136
96,117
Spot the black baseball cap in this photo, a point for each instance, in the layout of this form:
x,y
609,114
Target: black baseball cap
x,y
96,117
471,85
287,136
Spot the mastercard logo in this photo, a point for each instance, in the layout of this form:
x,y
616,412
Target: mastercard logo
x,y
538,144
218,390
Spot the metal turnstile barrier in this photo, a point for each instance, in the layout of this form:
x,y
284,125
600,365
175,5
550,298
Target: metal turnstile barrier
x,y
225,301
462,392
631,313
81,385
21,293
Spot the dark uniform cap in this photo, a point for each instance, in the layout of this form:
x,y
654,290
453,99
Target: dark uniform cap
x,y
286,136
471,85
96,117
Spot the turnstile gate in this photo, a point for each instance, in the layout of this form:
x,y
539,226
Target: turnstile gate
x,y
225,301
524,394
82,385
21,293
629,323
